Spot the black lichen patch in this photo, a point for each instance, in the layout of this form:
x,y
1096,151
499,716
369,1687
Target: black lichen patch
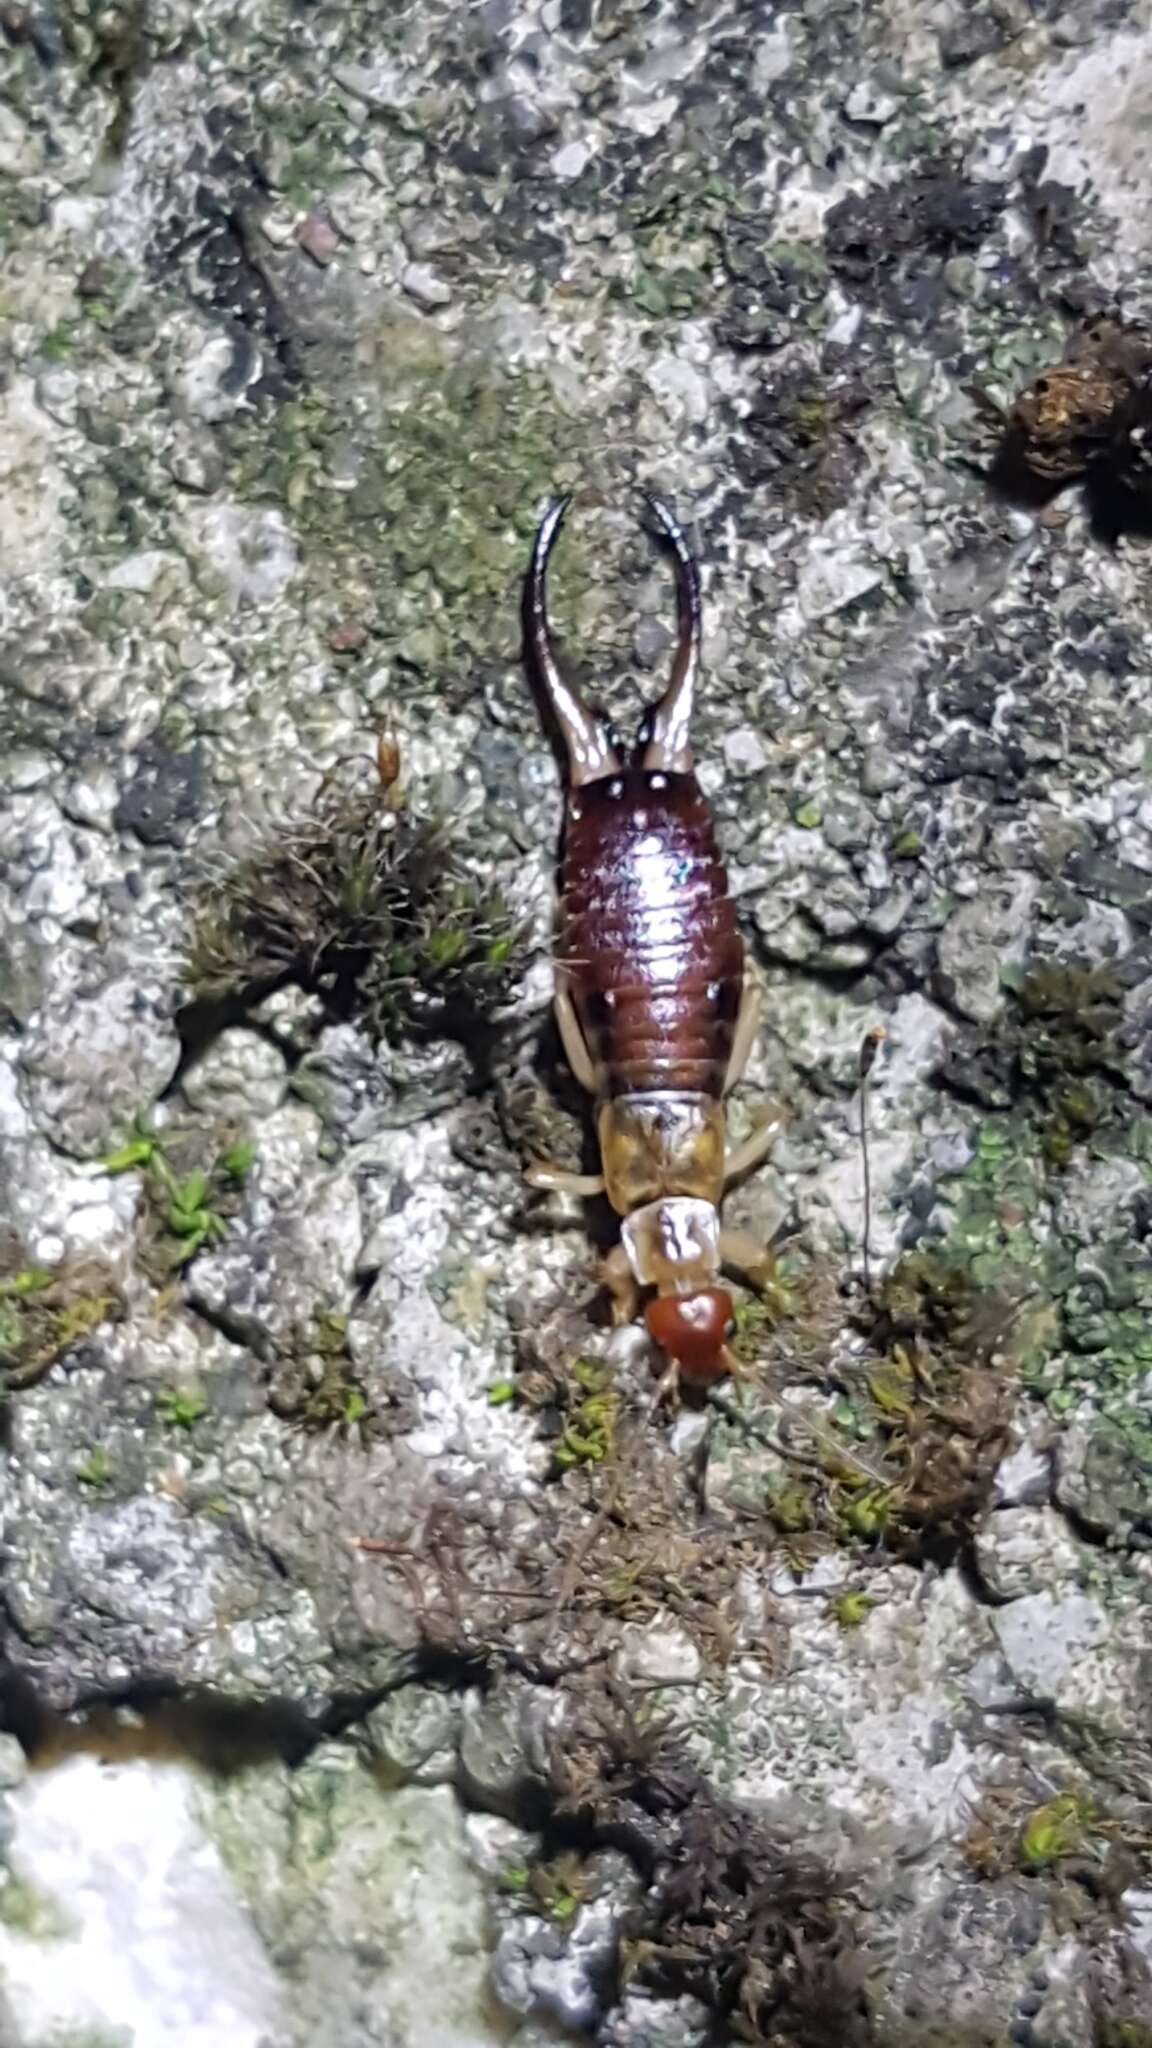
x,y
371,908
798,435
48,1313
776,289
1056,1052
164,795
891,245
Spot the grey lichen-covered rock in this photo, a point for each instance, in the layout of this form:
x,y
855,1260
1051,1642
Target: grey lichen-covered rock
x,y
307,1399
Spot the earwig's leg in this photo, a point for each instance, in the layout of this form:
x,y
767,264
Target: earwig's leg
x,y
744,1036
591,755
619,1279
665,737
744,1255
667,1387
572,1038
561,1181
755,1147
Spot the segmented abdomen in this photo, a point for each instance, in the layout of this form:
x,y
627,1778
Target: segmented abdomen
x,y
649,943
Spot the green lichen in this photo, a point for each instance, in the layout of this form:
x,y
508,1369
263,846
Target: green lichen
x,y
417,510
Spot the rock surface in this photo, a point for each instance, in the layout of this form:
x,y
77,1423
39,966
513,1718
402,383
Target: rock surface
x,y
300,325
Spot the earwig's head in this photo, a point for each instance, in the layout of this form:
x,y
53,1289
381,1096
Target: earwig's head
x,y
693,1329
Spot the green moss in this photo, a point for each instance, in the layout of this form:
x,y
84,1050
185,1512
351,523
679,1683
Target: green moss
x,y
179,1410
315,1383
373,909
45,1312
1058,1829
589,1433
97,1471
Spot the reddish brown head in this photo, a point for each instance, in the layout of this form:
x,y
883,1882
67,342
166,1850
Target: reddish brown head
x,y
693,1329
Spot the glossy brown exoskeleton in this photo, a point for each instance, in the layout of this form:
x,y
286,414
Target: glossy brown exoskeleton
x,y
655,1012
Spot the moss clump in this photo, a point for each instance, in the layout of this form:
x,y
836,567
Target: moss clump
x,y
900,1454
1058,1829
591,1406
47,1312
315,1383
732,1914
373,909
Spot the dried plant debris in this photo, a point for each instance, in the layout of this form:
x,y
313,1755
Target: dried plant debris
x,y
371,907
734,1914
48,1312
1056,1051
1087,416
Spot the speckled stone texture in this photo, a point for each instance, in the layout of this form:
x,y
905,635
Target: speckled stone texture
x,y
304,312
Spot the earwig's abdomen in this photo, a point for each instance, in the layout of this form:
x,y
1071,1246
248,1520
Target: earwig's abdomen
x,y
649,943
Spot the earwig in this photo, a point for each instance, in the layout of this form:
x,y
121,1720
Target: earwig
x,y
655,1013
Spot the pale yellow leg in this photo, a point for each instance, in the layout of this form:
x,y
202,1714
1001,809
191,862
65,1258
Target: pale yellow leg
x,y
744,1255
744,1036
620,1281
572,1039
561,1181
756,1146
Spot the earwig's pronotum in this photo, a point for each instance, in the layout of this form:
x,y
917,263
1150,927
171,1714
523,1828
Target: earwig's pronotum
x,y
656,1017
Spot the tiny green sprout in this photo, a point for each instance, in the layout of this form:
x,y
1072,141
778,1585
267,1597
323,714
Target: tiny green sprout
x,y
850,1609
1055,1830
189,1218
906,845
790,1509
180,1411
564,1906
32,1280
868,1514
515,1878
141,1149
355,1406
808,816
501,1392
236,1161
96,1471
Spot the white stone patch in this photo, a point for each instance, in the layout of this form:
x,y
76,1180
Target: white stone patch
x,y
249,548
142,1936
1046,1637
1095,116
32,487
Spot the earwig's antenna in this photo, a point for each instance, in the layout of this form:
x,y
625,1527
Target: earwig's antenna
x,y
865,1061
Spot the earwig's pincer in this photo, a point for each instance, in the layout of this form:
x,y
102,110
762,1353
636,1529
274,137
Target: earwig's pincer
x,y
651,999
